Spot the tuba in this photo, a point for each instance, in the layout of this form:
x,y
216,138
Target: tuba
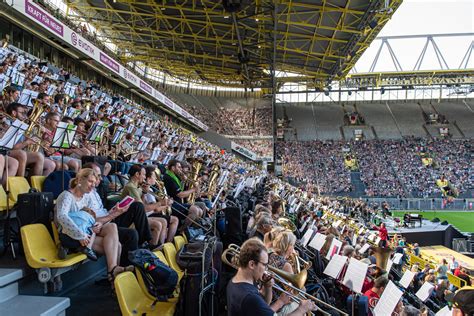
x,y
381,256
34,129
196,165
213,180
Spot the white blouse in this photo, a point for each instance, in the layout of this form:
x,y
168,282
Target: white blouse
x,y
66,203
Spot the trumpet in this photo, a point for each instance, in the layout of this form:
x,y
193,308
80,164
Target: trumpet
x,y
39,143
293,282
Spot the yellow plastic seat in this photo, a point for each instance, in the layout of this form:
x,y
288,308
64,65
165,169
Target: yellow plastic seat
x,y
3,199
170,253
179,242
55,234
161,256
132,300
17,185
41,251
37,182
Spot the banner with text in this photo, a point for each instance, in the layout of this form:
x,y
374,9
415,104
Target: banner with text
x,y
39,15
243,151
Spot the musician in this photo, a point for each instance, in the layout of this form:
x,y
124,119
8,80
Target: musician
x,y
283,248
169,222
263,226
277,209
175,189
35,160
10,95
376,291
52,120
133,188
244,298
383,234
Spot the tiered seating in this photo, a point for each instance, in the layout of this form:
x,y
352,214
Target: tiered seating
x,y
41,253
125,283
11,303
134,301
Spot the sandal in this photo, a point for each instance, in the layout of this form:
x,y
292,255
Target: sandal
x,y
112,274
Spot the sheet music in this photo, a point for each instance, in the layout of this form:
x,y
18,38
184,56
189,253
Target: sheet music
x,y
334,248
13,134
305,224
334,267
143,143
336,223
371,237
18,78
26,97
318,241
354,240
37,79
3,81
364,248
377,240
361,231
445,311
425,291
397,258
407,278
355,275
118,136
306,237
155,154
389,265
388,301
52,89
64,135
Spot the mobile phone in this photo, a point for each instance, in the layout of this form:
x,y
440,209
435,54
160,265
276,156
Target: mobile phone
x,y
126,201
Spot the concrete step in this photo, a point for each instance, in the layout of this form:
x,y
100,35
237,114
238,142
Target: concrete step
x,y
25,305
9,284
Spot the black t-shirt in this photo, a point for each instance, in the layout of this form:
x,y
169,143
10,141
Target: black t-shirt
x,y
172,188
243,299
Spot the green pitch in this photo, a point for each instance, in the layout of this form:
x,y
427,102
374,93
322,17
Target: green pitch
x,y
464,221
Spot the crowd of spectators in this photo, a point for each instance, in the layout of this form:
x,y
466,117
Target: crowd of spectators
x,y
389,168
262,147
316,163
376,170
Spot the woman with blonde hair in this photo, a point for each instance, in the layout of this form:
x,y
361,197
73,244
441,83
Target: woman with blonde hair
x,y
270,236
72,237
283,247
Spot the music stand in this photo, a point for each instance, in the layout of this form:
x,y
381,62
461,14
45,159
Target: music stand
x,y
96,133
116,139
8,140
62,139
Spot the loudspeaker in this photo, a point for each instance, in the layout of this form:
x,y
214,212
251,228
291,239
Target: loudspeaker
x,y
444,223
435,220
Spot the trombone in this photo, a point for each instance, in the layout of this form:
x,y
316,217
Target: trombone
x,y
293,282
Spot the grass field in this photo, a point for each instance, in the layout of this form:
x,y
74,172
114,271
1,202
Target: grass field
x,y
464,221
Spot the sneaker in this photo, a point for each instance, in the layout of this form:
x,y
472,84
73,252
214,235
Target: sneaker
x,y
62,252
89,253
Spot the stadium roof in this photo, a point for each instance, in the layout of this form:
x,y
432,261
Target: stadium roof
x,y
232,42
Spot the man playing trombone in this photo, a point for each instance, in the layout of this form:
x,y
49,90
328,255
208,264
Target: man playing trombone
x,y
244,298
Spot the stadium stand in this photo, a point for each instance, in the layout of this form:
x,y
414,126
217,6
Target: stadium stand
x,y
408,118
328,119
378,115
149,200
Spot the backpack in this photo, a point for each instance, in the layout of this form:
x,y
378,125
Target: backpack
x,y
190,257
160,280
